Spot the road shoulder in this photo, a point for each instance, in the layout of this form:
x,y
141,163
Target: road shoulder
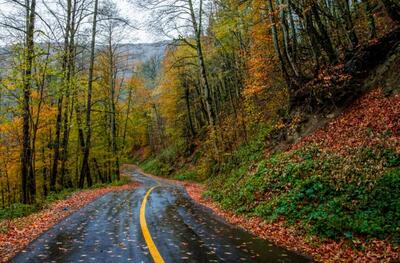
x,y
17,233
320,250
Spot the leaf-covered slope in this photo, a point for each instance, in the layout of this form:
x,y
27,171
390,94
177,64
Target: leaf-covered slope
x,y
340,182
372,120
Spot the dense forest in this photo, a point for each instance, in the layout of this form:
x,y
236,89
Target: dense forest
x,y
285,109
253,66
240,83
64,97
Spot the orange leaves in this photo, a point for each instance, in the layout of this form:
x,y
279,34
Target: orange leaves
x,y
371,120
261,62
321,250
19,232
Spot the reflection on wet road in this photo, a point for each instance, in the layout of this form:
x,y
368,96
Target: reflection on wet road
x,y
109,230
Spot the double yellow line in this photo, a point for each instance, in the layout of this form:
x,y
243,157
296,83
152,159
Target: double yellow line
x,y
146,233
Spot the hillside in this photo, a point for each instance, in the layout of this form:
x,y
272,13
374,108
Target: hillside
x,y
339,183
143,52
133,53
282,117
325,178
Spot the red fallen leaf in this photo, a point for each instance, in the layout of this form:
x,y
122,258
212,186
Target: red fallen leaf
x,y
278,233
21,231
373,114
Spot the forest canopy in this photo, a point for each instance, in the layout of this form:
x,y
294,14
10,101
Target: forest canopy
x,y
73,105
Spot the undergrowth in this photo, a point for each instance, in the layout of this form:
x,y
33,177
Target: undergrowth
x,y
20,210
322,193
162,164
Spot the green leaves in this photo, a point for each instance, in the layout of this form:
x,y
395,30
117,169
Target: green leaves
x,y
325,194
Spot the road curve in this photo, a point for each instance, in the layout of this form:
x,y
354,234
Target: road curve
x,y
110,230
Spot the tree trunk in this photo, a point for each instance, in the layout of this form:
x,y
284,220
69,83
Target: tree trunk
x,y
64,91
99,174
27,173
189,113
203,71
69,73
323,37
275,41
393,9
44,173
348,22
128,110
85,171
371,19
285,31
114,146
197,28
35,122
293,30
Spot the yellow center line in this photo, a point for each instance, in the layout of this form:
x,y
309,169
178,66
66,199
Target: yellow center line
x,y
146,233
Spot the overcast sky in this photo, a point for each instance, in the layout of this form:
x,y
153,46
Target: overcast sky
x,y
137,16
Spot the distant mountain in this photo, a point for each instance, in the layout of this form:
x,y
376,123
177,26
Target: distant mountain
x,y
144,51
136,53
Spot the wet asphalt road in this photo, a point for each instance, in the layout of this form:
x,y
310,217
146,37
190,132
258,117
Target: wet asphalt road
x,y
108,230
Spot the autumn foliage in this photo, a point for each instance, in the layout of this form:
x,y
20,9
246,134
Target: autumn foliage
x,y
299,138
237,100
372,120
16,234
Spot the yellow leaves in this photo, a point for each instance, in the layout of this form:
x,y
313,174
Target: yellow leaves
x,y
261,62
3,128
279,125
10,129
254,89
168,94
9,84
146,152
35,95
135,82
10,146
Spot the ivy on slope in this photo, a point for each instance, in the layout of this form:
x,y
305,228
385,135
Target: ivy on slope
x,y
340,182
